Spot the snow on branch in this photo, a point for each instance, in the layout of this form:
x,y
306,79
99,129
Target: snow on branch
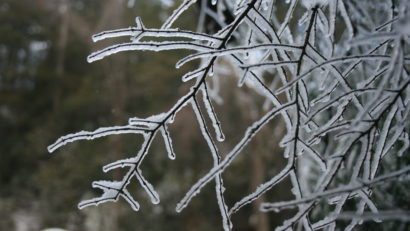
x,y
337,191
100,132
146,46
136,33
334,73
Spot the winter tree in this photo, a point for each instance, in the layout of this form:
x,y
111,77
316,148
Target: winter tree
x,y
334,73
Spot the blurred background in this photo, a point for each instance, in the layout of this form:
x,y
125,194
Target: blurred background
x,y
47,89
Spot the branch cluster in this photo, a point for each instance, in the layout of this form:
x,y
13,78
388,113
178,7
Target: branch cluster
x,y
335,72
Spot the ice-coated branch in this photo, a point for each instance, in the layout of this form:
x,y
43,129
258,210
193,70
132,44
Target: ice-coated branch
x,y
250,132
100,132
381,215
334,75
219,188
328,62
147,46
235,50
348,188
140,32
177,12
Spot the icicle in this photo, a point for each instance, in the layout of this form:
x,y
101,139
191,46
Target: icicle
x,y
139,23
193,74
211,71
148,187
212,115
381,142
172,118
167,141
242,80
304,18
406,143
286,154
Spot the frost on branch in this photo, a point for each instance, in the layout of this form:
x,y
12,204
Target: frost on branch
x,y
334,72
